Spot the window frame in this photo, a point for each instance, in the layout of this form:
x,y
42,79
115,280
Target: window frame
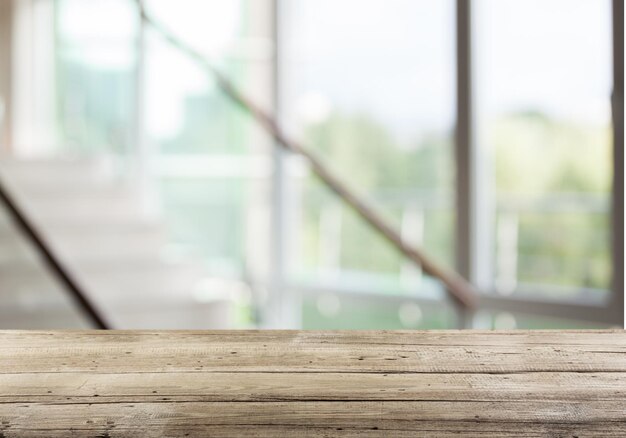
x,y
473,225
473,203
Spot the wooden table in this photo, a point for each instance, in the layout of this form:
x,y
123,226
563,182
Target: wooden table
x,y
288,383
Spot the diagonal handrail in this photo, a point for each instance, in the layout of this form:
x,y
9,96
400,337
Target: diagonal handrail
x,y
51,259
458,287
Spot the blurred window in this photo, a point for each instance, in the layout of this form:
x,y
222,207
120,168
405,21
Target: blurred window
x,y
95,68
209,158
374,96
543,81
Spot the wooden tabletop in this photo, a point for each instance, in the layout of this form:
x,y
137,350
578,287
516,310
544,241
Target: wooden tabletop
x,y
288,383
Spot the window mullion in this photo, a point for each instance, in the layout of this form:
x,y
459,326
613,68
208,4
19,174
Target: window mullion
x,y
617,299
473,192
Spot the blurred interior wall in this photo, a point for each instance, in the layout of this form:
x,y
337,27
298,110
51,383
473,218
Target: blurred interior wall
x,y
33,71
6,30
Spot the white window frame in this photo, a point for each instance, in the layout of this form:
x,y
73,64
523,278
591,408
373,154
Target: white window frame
x,y
473,200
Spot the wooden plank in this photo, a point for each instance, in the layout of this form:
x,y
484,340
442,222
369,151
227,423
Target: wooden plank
x,y
287,383
237,387
359,337
292,351
382,416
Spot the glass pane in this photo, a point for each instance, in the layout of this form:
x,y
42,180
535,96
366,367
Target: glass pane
x,y
205,217
372,93
188,114
543,96
210,160
95,70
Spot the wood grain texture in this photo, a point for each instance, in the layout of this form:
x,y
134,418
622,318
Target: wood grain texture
x,y
287,383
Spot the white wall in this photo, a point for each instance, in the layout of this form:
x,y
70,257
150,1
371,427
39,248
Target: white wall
x,y
33,73
6,7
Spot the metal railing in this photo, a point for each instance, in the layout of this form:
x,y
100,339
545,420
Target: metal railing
x,y
414,208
